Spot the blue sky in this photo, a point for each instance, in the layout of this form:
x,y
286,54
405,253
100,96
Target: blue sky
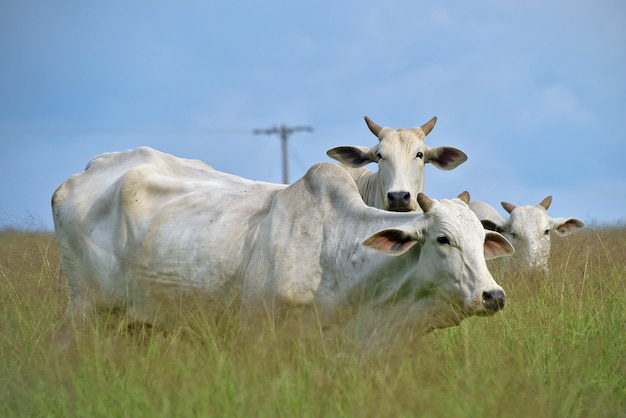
x,y
533,91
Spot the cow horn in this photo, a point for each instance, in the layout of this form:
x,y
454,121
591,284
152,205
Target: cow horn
x,y
374,127
428,126
465,197
507,206
545,203
424,201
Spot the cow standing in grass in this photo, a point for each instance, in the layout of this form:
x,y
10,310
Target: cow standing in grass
x,y
141,230
528,228
401,155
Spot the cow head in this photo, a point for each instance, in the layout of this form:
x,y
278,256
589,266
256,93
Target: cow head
x,y
529,229
400,155
451,269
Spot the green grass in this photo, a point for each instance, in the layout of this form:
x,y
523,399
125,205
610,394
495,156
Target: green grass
x,y
558,349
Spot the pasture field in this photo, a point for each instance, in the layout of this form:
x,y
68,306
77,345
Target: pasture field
x,y
557,350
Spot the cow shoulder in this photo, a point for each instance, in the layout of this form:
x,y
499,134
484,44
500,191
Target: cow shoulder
x,y
489,217
330,181
305,221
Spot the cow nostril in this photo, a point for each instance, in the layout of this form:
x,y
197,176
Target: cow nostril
x,y
494,300
399,198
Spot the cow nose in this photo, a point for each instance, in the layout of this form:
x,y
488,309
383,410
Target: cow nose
x,y
494,300
399,199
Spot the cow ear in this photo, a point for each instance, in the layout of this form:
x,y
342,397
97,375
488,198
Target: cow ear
x,y
489,225
497,246
445,158
353,156
393,241
565,226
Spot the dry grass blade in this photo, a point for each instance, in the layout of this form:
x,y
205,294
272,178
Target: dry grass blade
x,y
556,350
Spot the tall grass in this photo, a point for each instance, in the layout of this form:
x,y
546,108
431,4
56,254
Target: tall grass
x,y
558,349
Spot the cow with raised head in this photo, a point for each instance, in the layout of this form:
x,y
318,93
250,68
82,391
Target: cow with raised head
x,y
528,228
401,155
138,224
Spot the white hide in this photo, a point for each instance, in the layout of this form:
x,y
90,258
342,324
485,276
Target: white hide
x,y
142,223
401,155
528,228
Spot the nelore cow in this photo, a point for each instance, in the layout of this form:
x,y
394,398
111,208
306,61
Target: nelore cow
x,y
401,155
141,223
528,228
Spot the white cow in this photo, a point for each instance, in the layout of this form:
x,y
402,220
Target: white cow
x,y
401,155
528,229
138,224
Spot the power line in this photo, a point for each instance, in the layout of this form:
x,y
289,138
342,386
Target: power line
x,y
97,131
284,132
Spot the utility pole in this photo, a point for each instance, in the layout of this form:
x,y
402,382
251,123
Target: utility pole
x,y
284,132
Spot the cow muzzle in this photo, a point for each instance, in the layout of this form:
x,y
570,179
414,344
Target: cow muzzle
x,y
493,301
399,202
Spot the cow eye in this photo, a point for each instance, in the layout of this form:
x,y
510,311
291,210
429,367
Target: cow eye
x,y
513,235
546,232
443,240
420,154
379,156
